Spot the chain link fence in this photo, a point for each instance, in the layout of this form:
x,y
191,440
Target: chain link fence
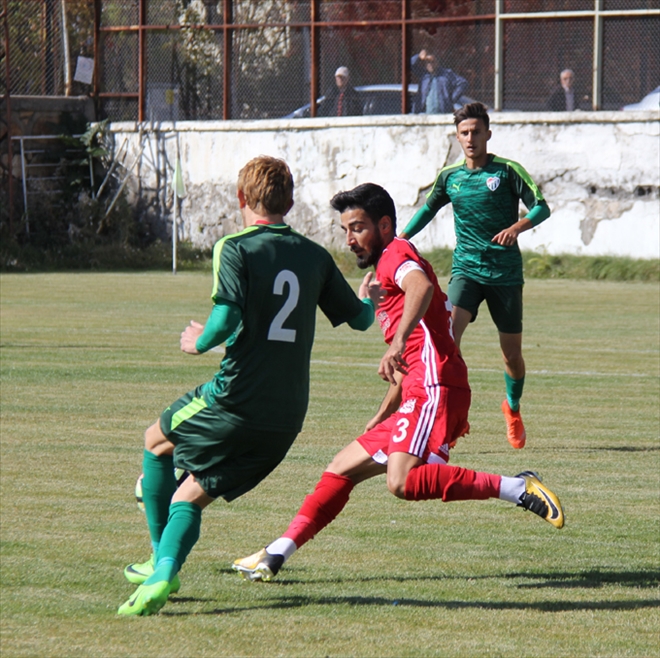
x,y
45,41
262,59
181,60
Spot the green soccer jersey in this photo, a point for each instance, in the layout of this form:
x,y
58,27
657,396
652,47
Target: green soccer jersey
x,y
485,202
277,277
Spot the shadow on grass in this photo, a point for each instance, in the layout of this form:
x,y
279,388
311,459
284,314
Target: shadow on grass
x,y
564,449
632,449
593,579
588,579
305,601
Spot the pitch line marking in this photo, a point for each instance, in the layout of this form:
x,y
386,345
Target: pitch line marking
x,y
553,373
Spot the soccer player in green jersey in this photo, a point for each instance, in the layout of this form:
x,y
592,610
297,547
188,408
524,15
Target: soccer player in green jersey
x,y
485,191
231,432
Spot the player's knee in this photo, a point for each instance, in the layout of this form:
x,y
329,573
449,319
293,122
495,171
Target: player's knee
x,y
513,358
336,466
396,484
155,441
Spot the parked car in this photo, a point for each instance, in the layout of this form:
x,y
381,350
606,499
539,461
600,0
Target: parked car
x,y
376,99
379,99
649,102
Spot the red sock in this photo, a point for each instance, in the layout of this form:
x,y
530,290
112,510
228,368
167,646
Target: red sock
x,y
320,508
430,481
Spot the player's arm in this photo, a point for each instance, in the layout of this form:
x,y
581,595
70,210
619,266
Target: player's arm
x,y
459,84
339,302
371,295
534,217
391,402
418,291
222,322
420,219
523,187
436,199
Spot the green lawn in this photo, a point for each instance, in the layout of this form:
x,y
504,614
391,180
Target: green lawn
x,y
89,360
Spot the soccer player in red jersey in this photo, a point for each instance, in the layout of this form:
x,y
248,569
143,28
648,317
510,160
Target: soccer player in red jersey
x,y
426,407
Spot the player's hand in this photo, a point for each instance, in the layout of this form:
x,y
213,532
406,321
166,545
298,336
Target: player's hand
x,y
507,237
379,418
372,423
189,337
371,289
392,362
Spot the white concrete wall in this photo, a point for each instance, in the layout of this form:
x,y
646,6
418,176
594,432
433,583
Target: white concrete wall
x,y
600,172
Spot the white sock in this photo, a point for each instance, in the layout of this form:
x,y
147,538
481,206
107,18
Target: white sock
x,y
511,489
282,546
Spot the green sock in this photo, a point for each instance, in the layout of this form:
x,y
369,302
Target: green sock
x,y
166,569
514,390
180,535
158,487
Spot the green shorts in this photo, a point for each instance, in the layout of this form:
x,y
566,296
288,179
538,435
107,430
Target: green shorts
x,y
226,459
504,302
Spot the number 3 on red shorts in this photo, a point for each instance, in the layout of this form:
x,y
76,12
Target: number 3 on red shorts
x,y
402,424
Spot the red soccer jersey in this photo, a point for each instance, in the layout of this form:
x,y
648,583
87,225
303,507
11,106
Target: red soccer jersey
x,y
431,353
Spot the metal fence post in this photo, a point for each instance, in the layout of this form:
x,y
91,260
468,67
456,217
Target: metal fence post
x,y
598,57
10,152
227,56
141,59
499,56
25,201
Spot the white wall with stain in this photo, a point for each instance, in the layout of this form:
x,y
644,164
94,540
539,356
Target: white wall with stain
x,y
599,171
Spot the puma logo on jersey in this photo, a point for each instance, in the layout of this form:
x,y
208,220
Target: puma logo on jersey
x,y
456,187
493,183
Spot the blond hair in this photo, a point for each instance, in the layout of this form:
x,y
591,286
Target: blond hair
x,y
267,184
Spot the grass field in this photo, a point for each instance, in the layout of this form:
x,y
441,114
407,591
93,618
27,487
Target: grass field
x,y
89,360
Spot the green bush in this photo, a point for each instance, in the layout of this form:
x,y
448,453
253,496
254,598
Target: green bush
x,y
112,257
118,248
543,266
602,268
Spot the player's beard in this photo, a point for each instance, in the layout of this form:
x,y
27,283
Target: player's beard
x,y
374,252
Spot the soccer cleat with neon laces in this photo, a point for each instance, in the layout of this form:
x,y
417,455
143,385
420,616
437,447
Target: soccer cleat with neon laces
x,y
138,572
515,430
146,600
540,500
260,566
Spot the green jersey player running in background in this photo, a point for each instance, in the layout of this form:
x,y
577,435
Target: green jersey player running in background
x,y
232,431
484,191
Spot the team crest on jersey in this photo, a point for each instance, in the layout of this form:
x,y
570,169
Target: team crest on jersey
x,y
493,183
383,321
408,406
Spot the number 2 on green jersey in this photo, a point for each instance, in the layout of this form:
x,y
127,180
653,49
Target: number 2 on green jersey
x,y
277,331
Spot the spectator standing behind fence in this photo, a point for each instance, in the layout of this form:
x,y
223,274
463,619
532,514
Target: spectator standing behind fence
x,y
343,100
439,88
567,97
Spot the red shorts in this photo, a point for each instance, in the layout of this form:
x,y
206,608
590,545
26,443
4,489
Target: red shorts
x,y
427,424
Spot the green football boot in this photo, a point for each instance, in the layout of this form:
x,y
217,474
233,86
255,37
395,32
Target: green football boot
x,y
138,572
146,600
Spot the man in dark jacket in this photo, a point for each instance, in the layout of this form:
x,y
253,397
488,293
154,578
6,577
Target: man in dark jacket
x,y
567,98
343,100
